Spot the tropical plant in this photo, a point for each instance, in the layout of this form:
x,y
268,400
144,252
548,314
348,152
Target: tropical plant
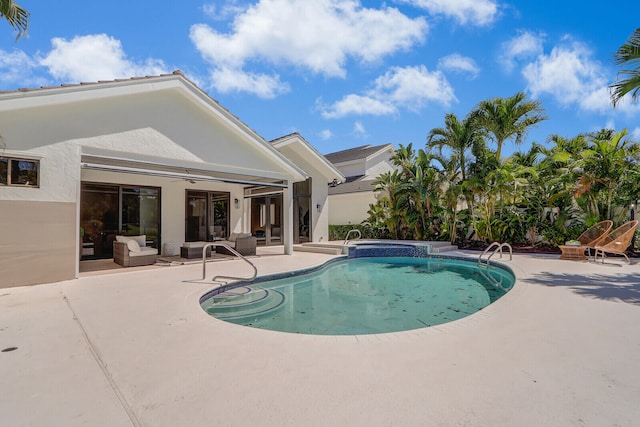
x,y
604,167
508,118
628,80
16,16
458,137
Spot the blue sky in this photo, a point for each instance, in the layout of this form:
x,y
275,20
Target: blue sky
x,y
343,73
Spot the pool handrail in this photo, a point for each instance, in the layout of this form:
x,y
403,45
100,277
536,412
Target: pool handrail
x,y
233,251
498,247
353,230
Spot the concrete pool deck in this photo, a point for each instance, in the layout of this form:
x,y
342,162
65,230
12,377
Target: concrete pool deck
x,y
135,348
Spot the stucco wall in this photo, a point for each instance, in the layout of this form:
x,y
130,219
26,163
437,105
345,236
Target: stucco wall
x,y
353,168
379,164
38,242
350,208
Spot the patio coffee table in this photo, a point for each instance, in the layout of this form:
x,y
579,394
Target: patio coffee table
x,y
190,250
573,253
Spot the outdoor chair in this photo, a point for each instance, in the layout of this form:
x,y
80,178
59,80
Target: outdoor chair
x,y
244,243
131,251
588,240
617,241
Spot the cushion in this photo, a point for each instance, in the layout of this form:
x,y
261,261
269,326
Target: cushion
x,y
243,235
133,245
144,252
142,239
233,237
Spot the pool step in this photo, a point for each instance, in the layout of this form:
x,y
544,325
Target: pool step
x,y
321,248
440,247
245,306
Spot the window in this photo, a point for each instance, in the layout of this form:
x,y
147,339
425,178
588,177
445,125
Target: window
x,y
19,172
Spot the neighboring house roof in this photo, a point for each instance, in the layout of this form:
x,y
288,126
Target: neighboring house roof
x,y
356,153
44,96
353,184
307,153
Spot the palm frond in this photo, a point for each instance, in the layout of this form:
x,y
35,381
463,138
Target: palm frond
x,y
16,16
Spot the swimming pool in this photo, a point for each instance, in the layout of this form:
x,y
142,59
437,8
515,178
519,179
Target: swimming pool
x,y
363,295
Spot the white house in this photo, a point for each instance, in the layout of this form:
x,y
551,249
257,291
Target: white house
x,y
350,200
153,156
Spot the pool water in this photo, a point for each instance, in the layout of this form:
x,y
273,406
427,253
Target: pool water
x,y
364,296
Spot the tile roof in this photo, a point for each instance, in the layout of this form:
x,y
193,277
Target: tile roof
x,y
176,72
354,184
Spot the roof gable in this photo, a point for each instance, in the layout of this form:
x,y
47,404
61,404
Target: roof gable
x,y
122,99
357,153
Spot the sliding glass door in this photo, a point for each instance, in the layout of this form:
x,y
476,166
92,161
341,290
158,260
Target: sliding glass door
x,y
107,210
206,215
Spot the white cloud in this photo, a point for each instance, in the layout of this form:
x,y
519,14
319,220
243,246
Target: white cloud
x,y
95,57
231,80
571,76
318,36
635,134
326,135
523,46
358,130
359,106
458,63
17,68
475,12
410,88
220,12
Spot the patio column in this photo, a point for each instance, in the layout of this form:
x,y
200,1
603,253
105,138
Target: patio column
x,y
287,213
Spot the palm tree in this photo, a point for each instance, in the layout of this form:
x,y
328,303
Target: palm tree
x,y
389,183
16,15
458,136
628,81
605,165
506,118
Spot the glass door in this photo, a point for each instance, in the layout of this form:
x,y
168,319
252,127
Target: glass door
x,y
206,216
107,210
196,216
219,216
302,211
266,219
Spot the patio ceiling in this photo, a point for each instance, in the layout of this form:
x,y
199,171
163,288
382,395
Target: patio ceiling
x,y
181,169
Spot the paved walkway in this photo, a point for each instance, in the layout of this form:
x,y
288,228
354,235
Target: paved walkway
x,y
134,348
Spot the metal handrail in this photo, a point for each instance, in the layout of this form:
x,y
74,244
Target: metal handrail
x,y
498,247
354,230
233,251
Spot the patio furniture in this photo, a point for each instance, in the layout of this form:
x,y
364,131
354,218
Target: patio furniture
x,y
573,252
244,243
131,251
588,239
617,241
190,250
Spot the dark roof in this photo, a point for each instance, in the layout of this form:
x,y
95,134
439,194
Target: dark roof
x,y
353,184
355,153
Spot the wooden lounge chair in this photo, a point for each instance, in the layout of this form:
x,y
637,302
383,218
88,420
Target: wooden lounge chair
x,y
617,241
588,240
